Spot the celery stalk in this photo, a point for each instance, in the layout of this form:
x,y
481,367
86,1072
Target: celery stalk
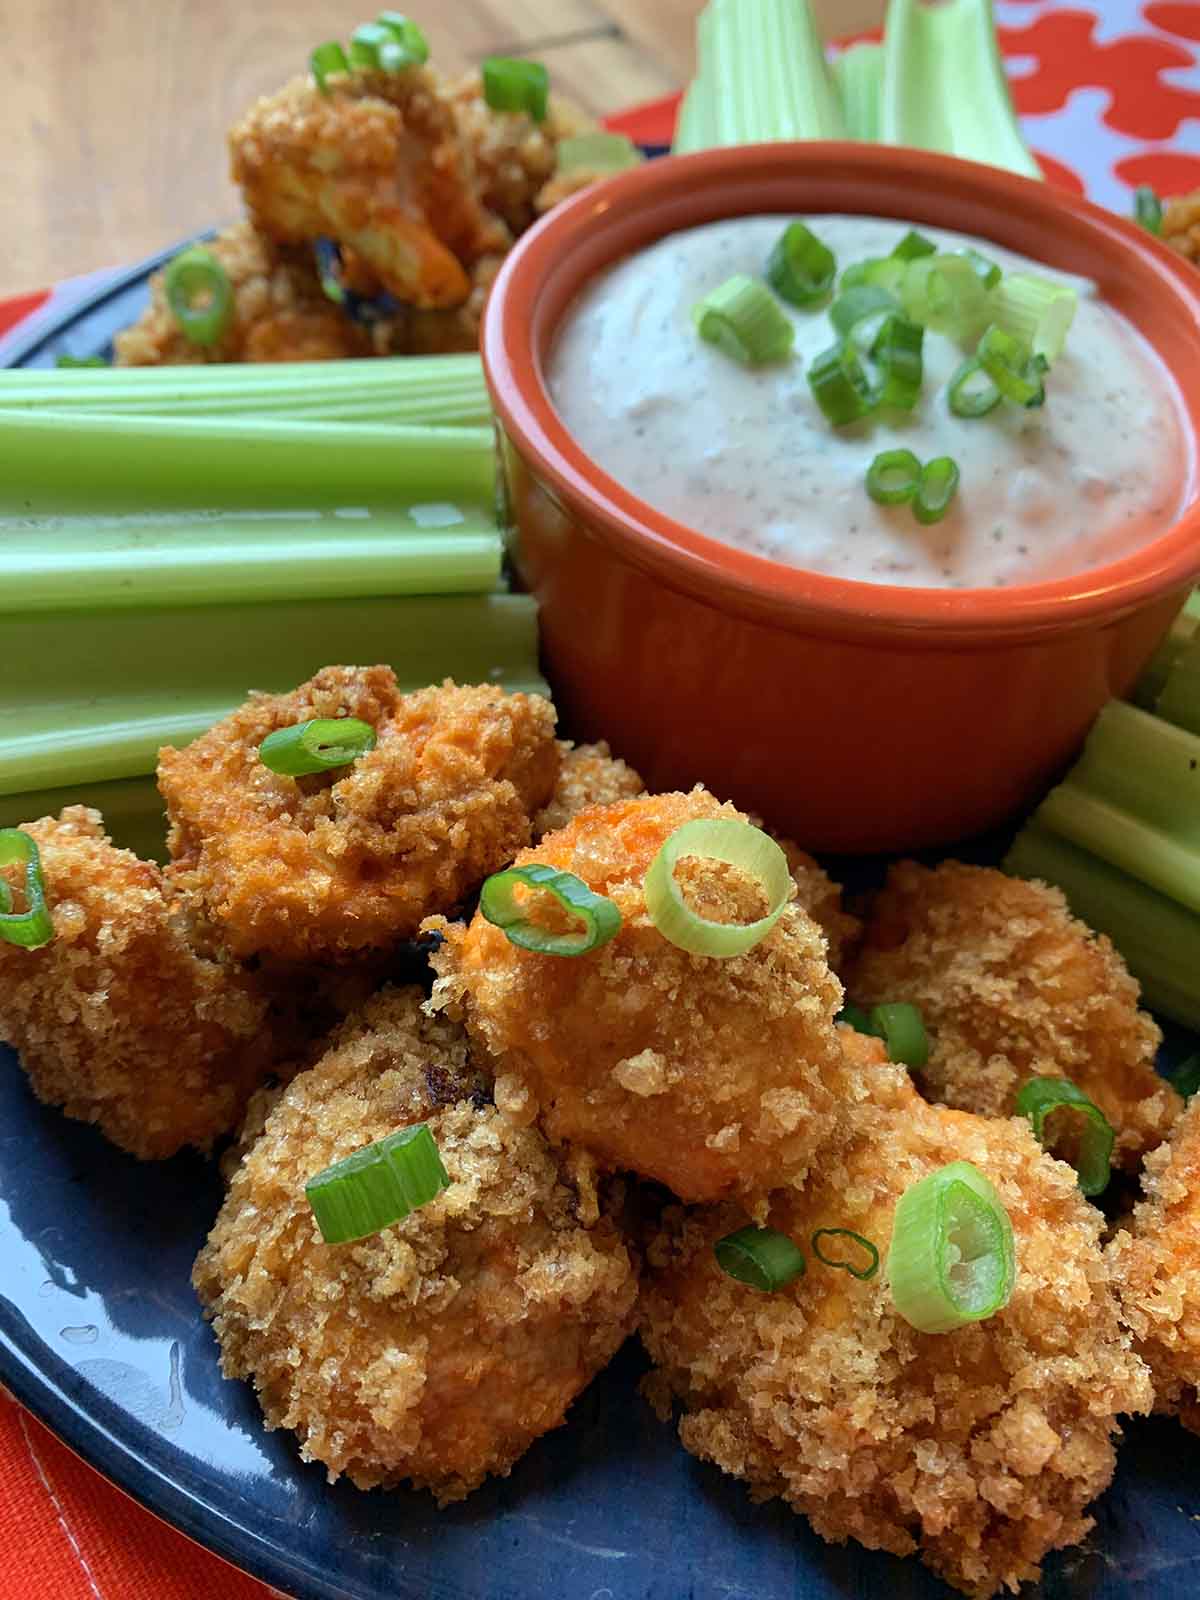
x,y
83,703
858,76
133,810
1154,677
1179,700
87,563
1123,839
695,127
1146,767
1159,939
944,86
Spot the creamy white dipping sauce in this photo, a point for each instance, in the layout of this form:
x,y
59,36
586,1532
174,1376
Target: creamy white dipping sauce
x,y
744,454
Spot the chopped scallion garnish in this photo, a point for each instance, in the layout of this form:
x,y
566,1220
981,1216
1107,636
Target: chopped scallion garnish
x,y
944,293
800,268
897,351
743,319
1147,208
864,1272
762,1257
952,1258
597,152
892,480
1035,310
34,926
840,384
377,1186
902,1028
972,392
413,47
987,271
199,295
857,304
327,60
510,84
854,1017
937,488
65,363
320,745
365,44
1187,1080
883,272
1012,367
1042,1097
716,839
913,246
499,905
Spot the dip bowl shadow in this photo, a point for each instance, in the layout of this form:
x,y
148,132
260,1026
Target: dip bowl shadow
x,y
856,716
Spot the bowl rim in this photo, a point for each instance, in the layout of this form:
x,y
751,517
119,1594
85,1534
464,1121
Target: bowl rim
x,y
517,329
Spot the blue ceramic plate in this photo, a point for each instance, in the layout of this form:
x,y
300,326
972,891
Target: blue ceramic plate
x,y
101,1337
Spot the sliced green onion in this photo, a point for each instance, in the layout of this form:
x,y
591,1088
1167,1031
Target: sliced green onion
x,y
377,1185
913,246
411,45
1187,1080
1147,208
1040,1097
855,1017
840,384
944,292
952,1259
716,839
863,1273
972,391
67,362
892,480
937,488
902,1028
1035,310
884,272
897,352
513,85
856,304
762,1257
366,42
326,60
1012,367
498,904
34,926
199,295
319,745
742,318
800,268
597,152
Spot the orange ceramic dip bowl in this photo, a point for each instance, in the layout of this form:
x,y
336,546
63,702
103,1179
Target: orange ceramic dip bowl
x,y
853,716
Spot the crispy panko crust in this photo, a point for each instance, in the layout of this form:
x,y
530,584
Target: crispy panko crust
x,y
590,775
709,1075
821,897
325,867
1013,987
280,312
1181,225
438,1350
377,163
1156,1266
979,1449
515,159
118,1020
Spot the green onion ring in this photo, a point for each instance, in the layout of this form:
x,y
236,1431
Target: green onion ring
x,y
1040,1097
856,305
34,926
1012,366
952,1259
986,270
840,385
377,1185
1147,208
862,1273
892,480
972,391
498,904
367,40
937,488
326,61
884,272
410,46
319,745
854,1017
197,274
913,246
743,319
902,1028
897,350
514,85
716,839
800,268
762,1257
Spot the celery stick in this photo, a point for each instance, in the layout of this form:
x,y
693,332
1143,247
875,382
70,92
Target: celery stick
x,y
133,810
1145,766
208,461
82,703
695,128
1159,939
858,77
944,86
1154,677
1179,701
87,563
1118,836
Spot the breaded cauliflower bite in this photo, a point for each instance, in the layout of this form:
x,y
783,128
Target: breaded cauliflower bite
x,y
1156,1264
709,1075
590,775
118,1020
979,1449
1012,987
326,866
439,1349
377,163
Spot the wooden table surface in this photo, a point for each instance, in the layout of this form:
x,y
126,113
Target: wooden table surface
x,y
112,117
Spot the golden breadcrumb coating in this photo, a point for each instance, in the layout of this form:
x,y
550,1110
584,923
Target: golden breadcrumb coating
x,y
327,866
438,1350
515,159
590,775
981,1448
1156,1266
1181,225
117,1019
1012,987
821,897
378,164
709,1075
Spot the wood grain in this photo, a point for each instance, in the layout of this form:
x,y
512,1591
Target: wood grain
x,y
113,116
